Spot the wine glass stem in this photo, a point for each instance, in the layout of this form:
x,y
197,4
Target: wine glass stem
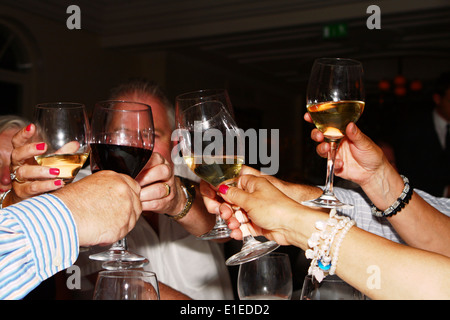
x,y
334,145
120,245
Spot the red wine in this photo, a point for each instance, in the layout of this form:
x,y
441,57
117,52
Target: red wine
x,y
121,159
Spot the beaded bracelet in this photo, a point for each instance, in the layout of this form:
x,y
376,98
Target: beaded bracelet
x,y
398,205
321,243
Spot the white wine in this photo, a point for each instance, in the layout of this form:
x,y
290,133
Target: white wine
x,y
333,117
215,170
68,164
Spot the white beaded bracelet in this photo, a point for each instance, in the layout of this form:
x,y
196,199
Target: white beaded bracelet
x,y
321,244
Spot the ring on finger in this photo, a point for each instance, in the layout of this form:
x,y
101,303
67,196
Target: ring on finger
x,y
167,190
14,177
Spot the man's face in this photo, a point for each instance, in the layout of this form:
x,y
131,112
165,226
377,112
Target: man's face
x,y
443,104
163,129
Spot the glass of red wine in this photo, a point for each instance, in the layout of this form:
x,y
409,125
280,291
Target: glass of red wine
x,y
121,140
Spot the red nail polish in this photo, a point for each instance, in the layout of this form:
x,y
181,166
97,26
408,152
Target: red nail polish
x,y
28,128
223,189
58,183
40,146
54,171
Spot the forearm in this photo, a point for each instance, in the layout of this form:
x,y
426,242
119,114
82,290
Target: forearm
x,y
168,293
379,268
382,269
418,223
198,220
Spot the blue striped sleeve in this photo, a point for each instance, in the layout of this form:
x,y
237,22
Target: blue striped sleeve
x,y
38,238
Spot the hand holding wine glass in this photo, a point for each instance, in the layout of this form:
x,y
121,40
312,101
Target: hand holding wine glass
x,y
335,97
64,129
122,138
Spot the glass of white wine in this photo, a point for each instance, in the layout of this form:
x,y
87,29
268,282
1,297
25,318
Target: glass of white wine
x,y
334,98
186,100
64,127
213,148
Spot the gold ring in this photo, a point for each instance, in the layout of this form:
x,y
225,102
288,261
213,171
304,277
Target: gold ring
x,y
14,176
167,190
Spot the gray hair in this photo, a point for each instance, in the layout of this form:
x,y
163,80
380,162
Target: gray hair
x,y
145,87
12,121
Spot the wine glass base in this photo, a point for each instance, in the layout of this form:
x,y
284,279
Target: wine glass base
x,y
216,233
116,255
327,201
122,265
252,252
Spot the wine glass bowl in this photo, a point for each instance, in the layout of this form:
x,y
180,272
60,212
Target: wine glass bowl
x,y
64,127
335,97
330,288
267,278
126,285
122,139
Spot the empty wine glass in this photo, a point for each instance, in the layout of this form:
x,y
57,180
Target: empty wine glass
x,y
330,288
122,138
213,148
334,98
64,127
267,278
126,285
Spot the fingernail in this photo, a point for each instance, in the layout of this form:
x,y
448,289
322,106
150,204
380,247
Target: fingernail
x,y
28,128
223,189
54,171
58,183
40,146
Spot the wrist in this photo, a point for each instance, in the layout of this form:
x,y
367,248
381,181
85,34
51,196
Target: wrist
x,y
384,187
188,190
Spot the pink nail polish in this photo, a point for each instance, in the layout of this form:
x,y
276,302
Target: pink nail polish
x,y
223,189
28,128
54,171
40,146
58,183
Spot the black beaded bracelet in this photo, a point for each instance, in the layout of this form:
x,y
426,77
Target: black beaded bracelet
x,y
398,205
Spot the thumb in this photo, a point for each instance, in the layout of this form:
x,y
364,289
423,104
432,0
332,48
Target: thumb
x,y
234,195
359,139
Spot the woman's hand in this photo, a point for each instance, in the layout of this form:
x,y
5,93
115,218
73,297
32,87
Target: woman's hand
x,y
31,178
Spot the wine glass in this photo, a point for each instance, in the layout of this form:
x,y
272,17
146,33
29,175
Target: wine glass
x,y
122,138
335,97
213,148
64,127
330,288
126,285
186,100
267,278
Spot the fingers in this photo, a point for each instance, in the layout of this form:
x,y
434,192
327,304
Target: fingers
x,y
23,136
307,117
157,169
70,147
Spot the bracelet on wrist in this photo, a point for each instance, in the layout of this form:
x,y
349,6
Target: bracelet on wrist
x,y
398,205
324,259
189,192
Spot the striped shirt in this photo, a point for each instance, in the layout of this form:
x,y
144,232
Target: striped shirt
x,y
380,226
38,238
